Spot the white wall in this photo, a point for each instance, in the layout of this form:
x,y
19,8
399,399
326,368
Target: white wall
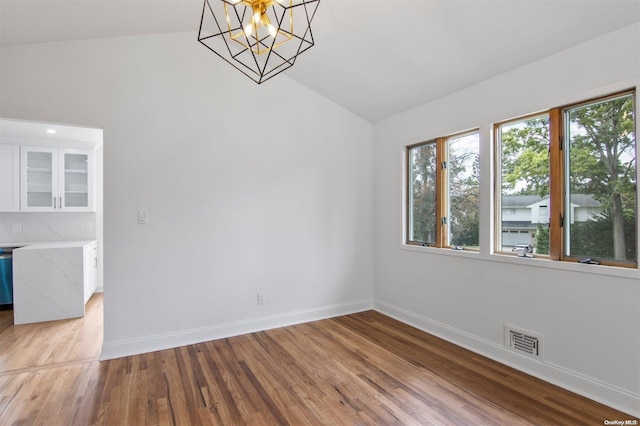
x,y
590,321
248,188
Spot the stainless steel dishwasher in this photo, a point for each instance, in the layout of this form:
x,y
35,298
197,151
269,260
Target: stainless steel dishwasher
x,y
6,278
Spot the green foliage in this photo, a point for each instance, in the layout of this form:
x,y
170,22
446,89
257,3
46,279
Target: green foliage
x,y
594,238
542,240
525,157
424,169
466,231
464,199
602,160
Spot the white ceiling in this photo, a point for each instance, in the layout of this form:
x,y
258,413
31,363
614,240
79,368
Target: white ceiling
x,y
376,58
28,130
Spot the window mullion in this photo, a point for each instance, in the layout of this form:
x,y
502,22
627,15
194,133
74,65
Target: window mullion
x,y
441,199
556,184
408,195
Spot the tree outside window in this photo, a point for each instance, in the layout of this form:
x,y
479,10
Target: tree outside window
x,y
601,161
443,192
422,193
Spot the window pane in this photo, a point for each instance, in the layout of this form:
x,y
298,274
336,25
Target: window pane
x,y
463,166
600,208
524,198
422,193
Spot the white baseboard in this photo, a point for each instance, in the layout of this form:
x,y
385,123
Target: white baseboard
x,y
604,393
159,342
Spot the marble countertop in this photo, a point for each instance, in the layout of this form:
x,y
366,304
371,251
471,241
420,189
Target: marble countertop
x,y
35,245
52,280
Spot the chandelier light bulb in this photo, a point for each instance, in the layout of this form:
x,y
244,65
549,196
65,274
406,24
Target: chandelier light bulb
x,y
259,19
248,30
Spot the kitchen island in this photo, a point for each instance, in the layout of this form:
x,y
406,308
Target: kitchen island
x,y
52,280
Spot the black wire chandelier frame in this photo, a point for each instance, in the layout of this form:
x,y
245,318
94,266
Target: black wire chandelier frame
x,y
260,38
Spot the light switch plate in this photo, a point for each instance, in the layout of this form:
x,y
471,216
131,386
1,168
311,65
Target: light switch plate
x,y
16,227
143,217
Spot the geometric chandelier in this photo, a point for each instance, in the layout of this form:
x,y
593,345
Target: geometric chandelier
x,y
261,38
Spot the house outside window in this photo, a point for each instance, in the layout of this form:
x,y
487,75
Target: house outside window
x,y
526,219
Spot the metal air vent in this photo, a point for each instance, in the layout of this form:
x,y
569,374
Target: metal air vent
x,y
523,342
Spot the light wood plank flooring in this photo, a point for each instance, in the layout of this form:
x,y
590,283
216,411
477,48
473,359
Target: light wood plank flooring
x,y
364,369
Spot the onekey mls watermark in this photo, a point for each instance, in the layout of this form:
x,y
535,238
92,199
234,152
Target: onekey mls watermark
x,y
621,422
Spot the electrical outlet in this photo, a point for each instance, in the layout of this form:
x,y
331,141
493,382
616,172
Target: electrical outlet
x,y
260,299
143,217
16,227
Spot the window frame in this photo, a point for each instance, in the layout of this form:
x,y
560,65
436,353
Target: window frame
x,y
409,188
442,188
497,234
557,179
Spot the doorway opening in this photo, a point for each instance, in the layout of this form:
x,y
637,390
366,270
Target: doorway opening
x,y
51,208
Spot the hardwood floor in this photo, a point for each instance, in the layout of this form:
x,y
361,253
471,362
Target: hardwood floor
x,y
364,368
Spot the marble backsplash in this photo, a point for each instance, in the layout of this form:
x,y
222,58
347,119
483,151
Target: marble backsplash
x,y
29,227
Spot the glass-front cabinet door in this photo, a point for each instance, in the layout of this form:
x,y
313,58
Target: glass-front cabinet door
x,y
56,180
39,181
75,181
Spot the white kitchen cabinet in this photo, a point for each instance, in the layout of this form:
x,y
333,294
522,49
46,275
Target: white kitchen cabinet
x,y
56,180
9,178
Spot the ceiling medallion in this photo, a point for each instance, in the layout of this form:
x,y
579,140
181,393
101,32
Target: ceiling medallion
x,y
261,38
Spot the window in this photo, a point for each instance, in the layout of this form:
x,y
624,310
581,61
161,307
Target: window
x,y
600,176
443,192
568,178
524,189
423,170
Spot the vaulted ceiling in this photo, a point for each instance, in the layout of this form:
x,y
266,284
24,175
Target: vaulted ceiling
x,y
375,58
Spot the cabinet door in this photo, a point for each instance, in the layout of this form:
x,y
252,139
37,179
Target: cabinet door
x,y
76,181
94,267
9,178
90,270
39,179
